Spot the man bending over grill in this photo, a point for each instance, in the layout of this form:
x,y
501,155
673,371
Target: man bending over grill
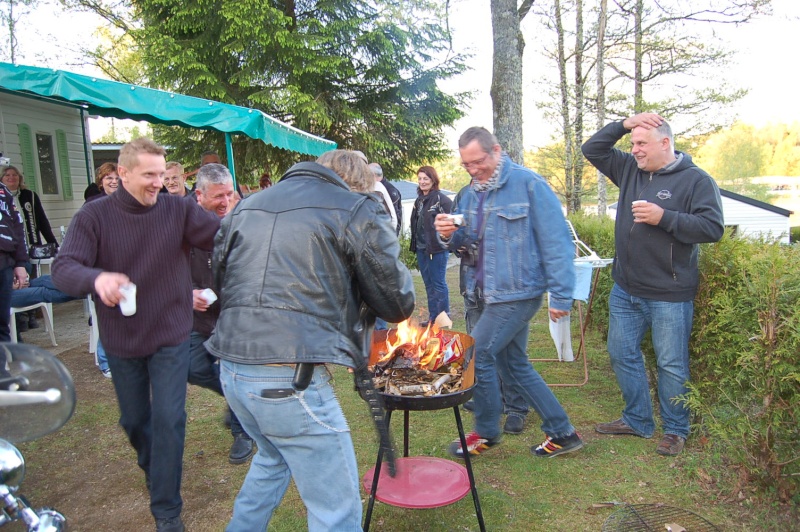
x,y
295,265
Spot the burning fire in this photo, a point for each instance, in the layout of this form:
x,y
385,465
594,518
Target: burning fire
x,y
421,343
422,347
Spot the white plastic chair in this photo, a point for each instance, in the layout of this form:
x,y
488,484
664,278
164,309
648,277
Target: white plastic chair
x,y
47,311
94,331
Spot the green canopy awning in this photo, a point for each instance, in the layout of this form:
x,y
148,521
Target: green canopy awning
x,y
120,100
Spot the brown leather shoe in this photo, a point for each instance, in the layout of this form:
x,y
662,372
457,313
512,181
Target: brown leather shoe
x,y
616,427
671,445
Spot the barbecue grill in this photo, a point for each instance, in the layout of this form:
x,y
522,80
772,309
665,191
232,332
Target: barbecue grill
x,y
454,480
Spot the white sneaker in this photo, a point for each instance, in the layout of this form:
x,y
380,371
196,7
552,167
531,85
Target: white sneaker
x,y
106,373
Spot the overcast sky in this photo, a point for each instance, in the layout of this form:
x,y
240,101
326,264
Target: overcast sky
x,y
765,62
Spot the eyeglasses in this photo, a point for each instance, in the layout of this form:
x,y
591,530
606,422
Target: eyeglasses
x,y
475,164
111,178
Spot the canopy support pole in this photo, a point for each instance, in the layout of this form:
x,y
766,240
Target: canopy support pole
x,y
86,148
229,154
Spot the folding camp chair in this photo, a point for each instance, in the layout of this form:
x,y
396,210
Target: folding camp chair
x,y
587,269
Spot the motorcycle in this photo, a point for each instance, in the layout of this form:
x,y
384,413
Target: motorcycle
x,y
37,397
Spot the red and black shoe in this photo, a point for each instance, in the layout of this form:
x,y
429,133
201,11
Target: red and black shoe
x,y
555,446
475,445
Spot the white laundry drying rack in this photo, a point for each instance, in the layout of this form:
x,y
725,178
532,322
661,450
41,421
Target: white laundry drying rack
x,y
583,255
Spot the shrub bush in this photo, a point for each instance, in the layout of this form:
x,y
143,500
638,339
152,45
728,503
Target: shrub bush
x,y
407,257
745,370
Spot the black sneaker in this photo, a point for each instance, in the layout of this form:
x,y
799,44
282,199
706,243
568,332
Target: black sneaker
x,y
475,445
555,446
170,524
514,424
241,450
33,323
22,324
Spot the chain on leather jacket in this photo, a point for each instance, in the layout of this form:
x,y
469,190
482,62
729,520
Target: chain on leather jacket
x,y
293,264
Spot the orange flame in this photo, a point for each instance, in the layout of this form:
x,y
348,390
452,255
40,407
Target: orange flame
x,y
420,339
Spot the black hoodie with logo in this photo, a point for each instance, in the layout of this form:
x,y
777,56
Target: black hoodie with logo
x,y
658,262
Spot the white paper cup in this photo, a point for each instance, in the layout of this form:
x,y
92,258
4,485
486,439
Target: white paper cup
x,y
457,219
638,201
209,295
128,303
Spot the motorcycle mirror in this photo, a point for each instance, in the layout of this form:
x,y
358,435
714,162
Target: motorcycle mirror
x,y
37,395
12,465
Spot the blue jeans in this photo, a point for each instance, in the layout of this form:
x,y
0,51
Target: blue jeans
x,y
156,427
500,331
102,358
303,436
433,269
41,290
514,403
204,372
6,284
670,325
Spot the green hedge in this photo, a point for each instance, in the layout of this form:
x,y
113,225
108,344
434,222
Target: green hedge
x,y
407,257
746,373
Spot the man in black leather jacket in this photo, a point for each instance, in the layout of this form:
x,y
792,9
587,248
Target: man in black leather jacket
x,y
294,265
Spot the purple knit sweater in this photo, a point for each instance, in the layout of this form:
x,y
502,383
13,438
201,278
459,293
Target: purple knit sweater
x,y
148,244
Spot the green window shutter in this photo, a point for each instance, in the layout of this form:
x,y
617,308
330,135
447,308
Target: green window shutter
x,y
28,156
63,164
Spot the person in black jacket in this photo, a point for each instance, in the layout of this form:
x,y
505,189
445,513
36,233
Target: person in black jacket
x,y
397,199
13,257
667,206
299,268
214,193
431,256
36,225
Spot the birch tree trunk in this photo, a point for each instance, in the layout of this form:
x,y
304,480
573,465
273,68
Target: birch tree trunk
x,y
566,122
602,19
578,161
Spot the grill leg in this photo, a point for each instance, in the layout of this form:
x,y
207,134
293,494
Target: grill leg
x,y
375,477
468,465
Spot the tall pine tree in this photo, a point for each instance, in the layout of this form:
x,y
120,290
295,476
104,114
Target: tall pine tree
x,y
361,73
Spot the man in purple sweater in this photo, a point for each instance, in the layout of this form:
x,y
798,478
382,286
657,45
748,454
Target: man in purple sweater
x,y
136,236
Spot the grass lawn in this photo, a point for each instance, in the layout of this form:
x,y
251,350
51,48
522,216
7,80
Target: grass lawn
x,y
87,470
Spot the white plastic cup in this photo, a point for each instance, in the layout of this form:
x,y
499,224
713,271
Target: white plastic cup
x,y
209,295
457,219
638,201
128,303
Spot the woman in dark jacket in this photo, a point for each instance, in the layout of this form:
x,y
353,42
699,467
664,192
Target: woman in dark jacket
x,y
431,257
36,226
30,206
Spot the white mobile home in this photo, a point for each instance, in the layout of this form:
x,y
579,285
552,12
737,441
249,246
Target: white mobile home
x,y
753,218
44,140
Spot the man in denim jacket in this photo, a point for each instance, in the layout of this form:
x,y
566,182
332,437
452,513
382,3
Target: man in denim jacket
x,y
514,247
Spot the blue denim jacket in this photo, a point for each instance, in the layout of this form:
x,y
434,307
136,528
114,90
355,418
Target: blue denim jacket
x,y
527,248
